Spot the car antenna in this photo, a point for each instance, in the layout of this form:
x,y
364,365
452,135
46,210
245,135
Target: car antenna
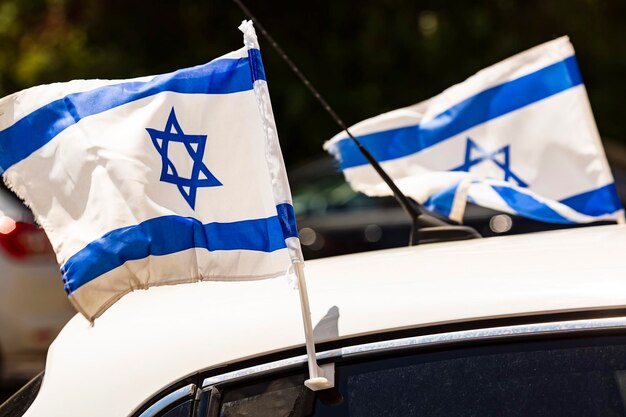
x,y
424,226
412,208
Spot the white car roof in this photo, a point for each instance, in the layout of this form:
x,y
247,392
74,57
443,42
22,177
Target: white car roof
x,y
151,338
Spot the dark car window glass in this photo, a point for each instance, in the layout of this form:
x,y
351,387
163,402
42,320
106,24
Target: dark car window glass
x,y
17,405
331,194
181,410
282,397
176,403
585,378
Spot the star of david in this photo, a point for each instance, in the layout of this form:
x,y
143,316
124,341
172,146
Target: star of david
x,y
501,157
194,145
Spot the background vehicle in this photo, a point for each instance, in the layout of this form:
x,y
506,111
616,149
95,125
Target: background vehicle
x,y
529,325
335,220
33,305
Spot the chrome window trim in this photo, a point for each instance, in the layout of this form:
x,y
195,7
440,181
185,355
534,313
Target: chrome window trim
x,y
160,405
436,339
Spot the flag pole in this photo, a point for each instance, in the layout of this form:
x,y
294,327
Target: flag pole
x,y
318,378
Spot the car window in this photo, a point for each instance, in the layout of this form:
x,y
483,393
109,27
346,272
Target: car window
x,y
175,403
559,378
181,410
279,397
17,405
330,193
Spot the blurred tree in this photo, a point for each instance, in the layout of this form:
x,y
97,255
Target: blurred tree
x,y
365,57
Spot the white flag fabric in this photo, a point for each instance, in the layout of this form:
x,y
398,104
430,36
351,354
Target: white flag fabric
x,y
518,137
155,180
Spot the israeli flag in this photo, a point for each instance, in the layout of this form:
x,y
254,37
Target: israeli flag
x,y
518,137
155,180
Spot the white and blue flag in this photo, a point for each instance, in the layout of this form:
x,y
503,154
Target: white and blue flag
x,y
155,180
518,137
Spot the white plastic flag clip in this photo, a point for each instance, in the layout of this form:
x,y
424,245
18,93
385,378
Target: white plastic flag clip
x,y
320,378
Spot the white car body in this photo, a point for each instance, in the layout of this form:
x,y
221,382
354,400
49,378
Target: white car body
x,y
150,339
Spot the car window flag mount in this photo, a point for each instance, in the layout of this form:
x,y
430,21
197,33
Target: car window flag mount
x,y
319,379
131,199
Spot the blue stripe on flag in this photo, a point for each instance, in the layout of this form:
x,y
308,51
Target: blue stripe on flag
x,y
442,201
484,106
222,76
527,206
287,219
598,202
170,234
258,71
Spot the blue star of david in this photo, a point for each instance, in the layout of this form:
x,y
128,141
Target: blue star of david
x,y
482,155
194,144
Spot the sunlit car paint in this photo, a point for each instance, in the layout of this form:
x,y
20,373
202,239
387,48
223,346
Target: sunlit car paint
x,y
150,339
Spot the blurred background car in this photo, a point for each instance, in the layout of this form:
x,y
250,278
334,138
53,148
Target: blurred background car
x,y
33,305
335,220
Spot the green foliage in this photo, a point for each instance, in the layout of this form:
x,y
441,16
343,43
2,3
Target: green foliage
x,y
365,57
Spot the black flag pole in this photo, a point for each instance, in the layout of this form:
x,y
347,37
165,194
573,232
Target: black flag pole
x,y
409,206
